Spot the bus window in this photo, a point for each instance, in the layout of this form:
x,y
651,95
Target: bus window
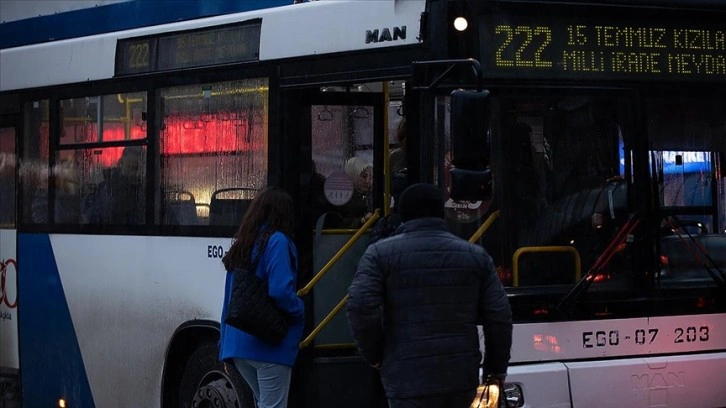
x,y
99,184
7,177
559,158
687,134
564,168
213,145
105,118
34,163
342,152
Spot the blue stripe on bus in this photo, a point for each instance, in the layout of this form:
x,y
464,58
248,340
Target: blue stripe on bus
x,y
119,16
51,365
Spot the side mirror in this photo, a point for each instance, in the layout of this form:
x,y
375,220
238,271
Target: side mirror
x,y
470,146
470,113
471,185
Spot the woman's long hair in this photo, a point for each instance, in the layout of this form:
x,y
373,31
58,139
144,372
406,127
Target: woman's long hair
x,y
272,207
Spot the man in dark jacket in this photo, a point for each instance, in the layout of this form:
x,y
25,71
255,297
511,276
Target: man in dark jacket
x,y
415,303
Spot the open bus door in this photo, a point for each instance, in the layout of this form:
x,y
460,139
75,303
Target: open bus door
x,y
341,185
9,358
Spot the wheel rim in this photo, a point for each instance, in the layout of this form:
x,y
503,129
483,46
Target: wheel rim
x,y
216,390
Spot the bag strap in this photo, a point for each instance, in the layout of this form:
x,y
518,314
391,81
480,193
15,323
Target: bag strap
x,y
260,252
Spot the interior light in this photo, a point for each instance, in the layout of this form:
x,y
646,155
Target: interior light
x,y
61,403
460,23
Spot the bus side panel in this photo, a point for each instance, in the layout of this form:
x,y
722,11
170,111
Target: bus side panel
x,y
670,381
543,385
9,363
126,296
52,363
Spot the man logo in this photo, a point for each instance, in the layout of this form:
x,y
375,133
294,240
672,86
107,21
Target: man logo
x,y
658,381
376,36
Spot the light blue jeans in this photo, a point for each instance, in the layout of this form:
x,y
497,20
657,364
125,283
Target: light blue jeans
x,y
270,382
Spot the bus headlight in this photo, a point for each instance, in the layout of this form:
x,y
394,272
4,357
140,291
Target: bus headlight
x,y
487,396
513,394
460,24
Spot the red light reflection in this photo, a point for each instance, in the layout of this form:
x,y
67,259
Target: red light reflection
x,y
112,132
602,276
546,343
505,275
184,136
179,136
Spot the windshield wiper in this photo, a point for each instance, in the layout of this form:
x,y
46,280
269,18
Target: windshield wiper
x,y
602,261
713,270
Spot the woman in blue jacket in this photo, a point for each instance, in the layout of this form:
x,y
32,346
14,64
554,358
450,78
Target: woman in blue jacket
x,y
267,225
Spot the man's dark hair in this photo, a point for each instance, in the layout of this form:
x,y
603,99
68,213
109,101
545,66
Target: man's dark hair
x,y
421,200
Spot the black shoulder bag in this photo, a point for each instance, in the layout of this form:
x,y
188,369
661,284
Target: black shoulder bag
x,y
250,307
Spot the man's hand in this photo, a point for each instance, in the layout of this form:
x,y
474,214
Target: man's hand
x,y
366,217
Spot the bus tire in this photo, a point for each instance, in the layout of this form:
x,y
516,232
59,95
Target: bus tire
x,y
206,383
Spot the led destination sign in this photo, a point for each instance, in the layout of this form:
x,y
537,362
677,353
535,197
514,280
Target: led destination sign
x,y
189,49
590,48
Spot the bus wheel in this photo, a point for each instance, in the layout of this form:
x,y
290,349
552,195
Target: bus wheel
x,y
207,384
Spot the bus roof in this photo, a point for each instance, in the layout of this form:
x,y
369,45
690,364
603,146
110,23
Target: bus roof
x,y
294,30
61,20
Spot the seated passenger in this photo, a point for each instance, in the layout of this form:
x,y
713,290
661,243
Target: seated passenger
x,y
120,198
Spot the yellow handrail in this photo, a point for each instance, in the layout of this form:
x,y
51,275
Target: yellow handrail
x,y
386,154
338,231
324,323
485,226
368,224
335,346
515,259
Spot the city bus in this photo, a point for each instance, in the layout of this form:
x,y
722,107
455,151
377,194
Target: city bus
x,y
582,144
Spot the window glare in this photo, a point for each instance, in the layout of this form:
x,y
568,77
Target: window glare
x,y
213,144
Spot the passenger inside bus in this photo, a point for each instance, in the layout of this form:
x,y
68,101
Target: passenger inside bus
x,y
398,159
526,186
120,198
360,208
560,152
66,200
314,198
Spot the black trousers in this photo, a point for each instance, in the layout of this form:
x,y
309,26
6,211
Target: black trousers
x,y
454,400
